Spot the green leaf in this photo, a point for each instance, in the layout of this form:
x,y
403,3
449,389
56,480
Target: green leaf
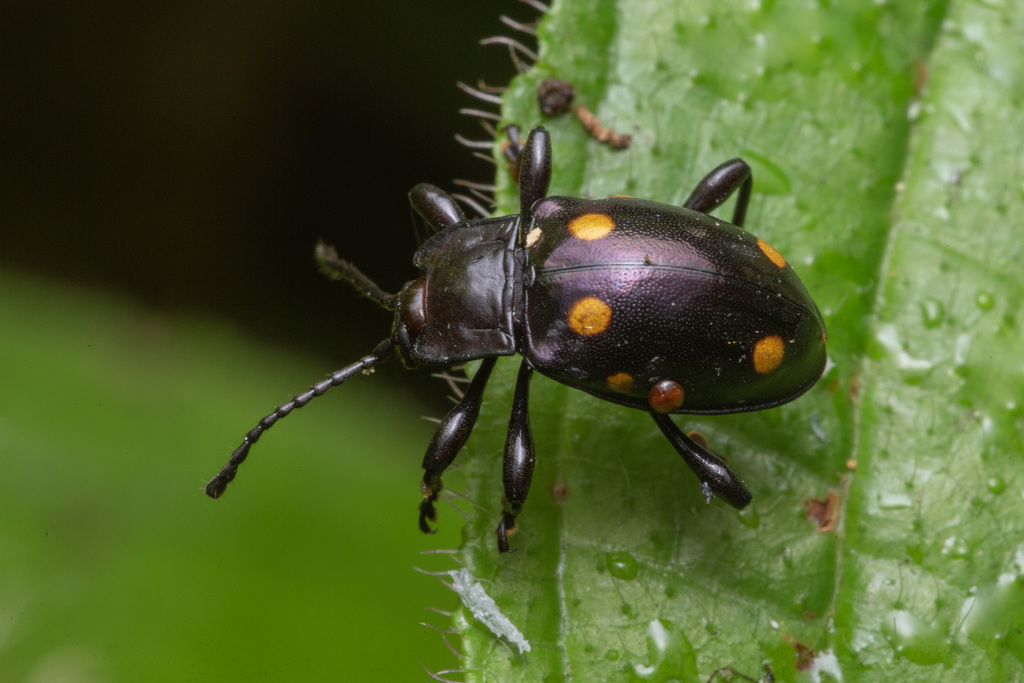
x,y
886,145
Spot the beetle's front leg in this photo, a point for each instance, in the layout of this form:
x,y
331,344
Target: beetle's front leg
x,y
519,458
716,479
450,437
717,186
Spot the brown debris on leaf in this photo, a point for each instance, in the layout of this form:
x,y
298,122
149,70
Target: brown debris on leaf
x,y
824,512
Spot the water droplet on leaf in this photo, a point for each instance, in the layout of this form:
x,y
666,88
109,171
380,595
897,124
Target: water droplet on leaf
x,y
622,565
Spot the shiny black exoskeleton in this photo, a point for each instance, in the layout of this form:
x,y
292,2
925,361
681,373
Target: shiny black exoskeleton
x,y
651,306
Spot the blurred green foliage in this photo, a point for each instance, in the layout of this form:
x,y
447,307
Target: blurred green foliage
x,y
113,564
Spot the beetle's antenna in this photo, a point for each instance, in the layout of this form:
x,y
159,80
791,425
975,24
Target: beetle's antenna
x,y
216,487
340,269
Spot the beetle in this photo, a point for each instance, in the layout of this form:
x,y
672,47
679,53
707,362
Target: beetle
x,y
661,308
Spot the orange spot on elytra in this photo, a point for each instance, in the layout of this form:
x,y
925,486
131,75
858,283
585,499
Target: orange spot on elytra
x,y
771,252
589,316
768,353
591,226
621,382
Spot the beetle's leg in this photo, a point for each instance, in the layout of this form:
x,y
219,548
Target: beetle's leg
x,y
716,479
519,458
717,186
534,169
434,207
448,440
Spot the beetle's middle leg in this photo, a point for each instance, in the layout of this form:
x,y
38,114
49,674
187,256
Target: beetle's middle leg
x,y
448,440
716,479
520,456
717,186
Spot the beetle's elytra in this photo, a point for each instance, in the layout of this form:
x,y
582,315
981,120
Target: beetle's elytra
x,y
656,307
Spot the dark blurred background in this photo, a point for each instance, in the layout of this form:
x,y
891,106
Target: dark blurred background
x,y
188,155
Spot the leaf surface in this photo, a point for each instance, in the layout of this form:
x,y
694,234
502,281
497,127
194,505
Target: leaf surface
x,y
887,156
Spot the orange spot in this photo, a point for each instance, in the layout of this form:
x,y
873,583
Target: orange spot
x,y
666,396
621,382
768,353
621,196
591,226
773,255
589,315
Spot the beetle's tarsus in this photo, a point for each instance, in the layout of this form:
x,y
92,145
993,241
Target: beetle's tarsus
x,y
450,437
519,458
506,527
431,491
428,513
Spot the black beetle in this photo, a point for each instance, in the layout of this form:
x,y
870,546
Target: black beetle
x,y
651,306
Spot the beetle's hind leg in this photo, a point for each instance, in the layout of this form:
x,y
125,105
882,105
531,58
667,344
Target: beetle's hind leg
x,y
717,186
520,456
448,440
716,479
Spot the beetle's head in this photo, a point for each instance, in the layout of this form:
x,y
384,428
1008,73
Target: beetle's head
x,y
410,317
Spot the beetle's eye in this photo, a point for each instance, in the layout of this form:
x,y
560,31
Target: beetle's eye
x,y
411,315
